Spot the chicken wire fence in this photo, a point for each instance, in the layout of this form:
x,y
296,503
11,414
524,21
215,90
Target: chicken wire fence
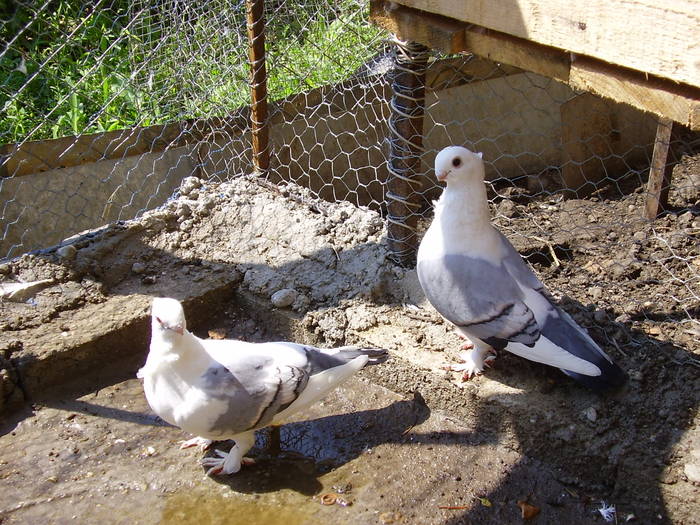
x,y
109,105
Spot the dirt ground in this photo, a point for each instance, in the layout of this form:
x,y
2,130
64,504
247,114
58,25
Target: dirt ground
x,y
297,268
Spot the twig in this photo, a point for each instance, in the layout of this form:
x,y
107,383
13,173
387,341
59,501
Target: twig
x,y
555,259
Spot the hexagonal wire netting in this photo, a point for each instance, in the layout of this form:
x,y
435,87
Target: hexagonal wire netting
x,y
109,105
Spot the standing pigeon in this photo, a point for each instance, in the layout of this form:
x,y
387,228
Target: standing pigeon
x,y
227,389
474,277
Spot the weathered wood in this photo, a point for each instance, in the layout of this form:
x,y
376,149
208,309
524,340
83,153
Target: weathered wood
x,y
586,130
255,22
451,36
436,32
609,30
679,103
662,97
659,171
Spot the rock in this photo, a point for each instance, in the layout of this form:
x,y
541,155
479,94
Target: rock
x,y
686,218
67,252
692,472
591,414
138,267
596,292
189,184
149,279
284,297
640,236
507,208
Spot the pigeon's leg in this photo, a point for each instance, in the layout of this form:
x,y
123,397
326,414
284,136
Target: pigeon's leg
x,y
230,463
468,345
202,443
475,360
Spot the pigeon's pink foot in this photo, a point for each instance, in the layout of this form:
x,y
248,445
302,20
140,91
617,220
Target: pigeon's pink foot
x,y
200,442
475,360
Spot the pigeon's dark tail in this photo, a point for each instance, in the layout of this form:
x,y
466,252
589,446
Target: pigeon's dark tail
x,y
612,376
376,355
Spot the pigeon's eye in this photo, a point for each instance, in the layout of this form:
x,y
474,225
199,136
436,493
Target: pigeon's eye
x,y
456,162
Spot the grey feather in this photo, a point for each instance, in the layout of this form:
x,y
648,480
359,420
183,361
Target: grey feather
x,y
483,298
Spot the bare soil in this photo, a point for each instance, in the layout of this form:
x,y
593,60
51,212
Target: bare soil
x,y
520,432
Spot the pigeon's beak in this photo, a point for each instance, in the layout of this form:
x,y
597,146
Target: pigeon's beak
x,y
178,329
442,175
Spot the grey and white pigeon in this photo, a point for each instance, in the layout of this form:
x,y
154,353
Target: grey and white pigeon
x,y
478,282
227,389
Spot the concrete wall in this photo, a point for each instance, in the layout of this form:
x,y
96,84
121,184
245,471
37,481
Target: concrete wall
x,y
42,209
333,141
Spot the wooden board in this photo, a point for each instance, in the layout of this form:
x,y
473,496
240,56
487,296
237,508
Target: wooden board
x,y
659,38
661,97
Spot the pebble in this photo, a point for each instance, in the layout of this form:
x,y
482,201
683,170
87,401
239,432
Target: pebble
x,y
686,218
284,297
596,292
189,184
138,267
149,279
640,236
692,472
67,252
591,414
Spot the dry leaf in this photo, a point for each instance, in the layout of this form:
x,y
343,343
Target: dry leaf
x,y
217,333
528,511
485,502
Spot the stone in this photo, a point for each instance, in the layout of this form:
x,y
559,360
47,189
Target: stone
x,y
138,267
189,184
591,414
284,297
67,252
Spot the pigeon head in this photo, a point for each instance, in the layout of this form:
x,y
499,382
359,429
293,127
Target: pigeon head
x,y
168,316
458,165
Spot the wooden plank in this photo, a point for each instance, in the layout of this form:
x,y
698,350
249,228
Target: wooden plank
x,y
662,97
436,32
659,171
660,38
451,36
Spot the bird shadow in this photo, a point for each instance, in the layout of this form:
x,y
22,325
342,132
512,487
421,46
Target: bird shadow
x,y
312,448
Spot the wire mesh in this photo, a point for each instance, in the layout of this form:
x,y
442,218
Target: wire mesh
x,y
109,105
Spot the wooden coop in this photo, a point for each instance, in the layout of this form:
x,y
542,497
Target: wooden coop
x,y
645,54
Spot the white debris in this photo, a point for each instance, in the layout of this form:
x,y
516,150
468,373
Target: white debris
x,y
607,511
21,292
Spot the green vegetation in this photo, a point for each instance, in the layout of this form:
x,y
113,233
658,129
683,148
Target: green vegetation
x,y
67,69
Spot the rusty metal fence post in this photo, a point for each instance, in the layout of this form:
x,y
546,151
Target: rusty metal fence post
x,y
406,148
255,22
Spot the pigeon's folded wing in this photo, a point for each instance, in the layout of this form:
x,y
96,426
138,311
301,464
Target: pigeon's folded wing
x,y
480,297
255,387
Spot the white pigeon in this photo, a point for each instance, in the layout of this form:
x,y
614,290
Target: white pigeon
x,y
474,277
227,389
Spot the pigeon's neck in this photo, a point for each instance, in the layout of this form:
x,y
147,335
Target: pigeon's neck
x,y
177,352
464,207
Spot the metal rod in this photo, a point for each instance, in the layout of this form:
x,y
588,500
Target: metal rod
x,y
406,148
255,22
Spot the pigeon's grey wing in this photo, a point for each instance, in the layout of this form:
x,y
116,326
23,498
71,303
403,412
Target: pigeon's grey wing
x,y
479,297
254,387
518,268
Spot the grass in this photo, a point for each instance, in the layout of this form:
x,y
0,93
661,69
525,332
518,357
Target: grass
x,y
72,69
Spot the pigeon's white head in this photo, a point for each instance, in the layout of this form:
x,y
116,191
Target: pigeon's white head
x,y
168,316
457,166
